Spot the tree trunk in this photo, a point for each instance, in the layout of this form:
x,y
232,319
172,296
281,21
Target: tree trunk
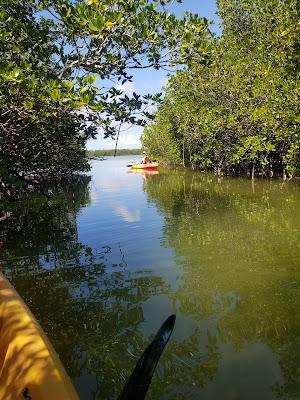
x,y
190,154
117,140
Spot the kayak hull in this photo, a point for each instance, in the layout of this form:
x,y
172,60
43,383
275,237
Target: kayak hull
x,y
150,166
29,366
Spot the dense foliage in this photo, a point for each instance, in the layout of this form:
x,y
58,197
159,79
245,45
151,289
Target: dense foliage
x,y
239,113
39,136
63,64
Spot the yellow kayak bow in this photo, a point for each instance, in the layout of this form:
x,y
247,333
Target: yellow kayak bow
x,y
29,366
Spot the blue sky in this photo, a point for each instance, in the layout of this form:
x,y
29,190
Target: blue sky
x,y
152,81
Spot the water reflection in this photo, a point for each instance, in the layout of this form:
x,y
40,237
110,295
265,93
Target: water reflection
x,y
40,225
86,299
127,215
123,210
240,256
225,259
144,173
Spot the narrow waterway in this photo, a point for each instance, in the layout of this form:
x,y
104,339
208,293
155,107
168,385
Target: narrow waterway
x,y
103,264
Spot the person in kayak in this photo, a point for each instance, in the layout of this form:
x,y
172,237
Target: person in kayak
x,y
145,158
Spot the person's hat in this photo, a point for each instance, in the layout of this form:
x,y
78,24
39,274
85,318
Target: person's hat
x,y
144,152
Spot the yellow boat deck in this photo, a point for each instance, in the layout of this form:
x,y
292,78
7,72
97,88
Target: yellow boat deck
x,y
29,366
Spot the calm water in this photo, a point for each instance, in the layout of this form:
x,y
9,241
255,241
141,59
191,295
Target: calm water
x,y
102,265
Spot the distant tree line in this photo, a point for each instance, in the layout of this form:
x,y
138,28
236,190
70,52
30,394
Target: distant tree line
x,y
237,113
120,152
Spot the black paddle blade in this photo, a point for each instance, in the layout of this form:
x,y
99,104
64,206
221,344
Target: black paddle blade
x,y
140,379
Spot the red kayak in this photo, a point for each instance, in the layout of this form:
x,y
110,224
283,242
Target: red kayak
x,y
152,166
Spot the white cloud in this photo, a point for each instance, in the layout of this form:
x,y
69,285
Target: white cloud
x,y
127,88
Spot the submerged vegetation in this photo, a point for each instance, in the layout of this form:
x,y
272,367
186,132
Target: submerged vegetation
x,y
223,255
238,113
62,64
